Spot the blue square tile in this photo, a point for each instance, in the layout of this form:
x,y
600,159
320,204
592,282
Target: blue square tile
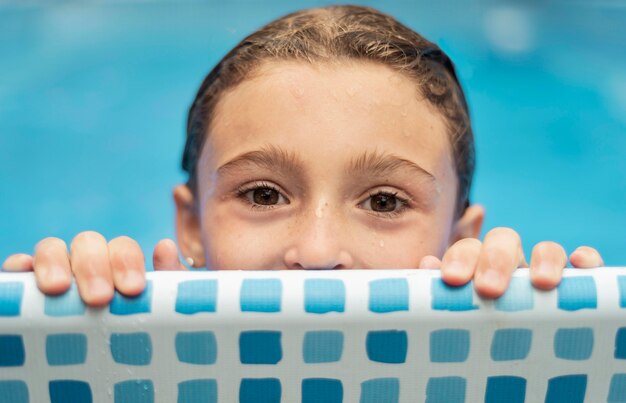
x,y
197,391
11,298
380,390
447,389
196,296
196,347
66,349
510,344
620,343
259,390
260,347
122,305
13,392
325,390
567,389
324,295
131,348
322,346
261,295
11,350
66,304
449,345
448,298
389,295
505,389
64,391
518,297
134,391
576,293
388,346
617,390
573,344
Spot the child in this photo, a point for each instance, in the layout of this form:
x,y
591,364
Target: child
x,y
332,138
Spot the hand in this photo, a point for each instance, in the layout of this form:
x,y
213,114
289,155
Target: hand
x,y
99,266
491,263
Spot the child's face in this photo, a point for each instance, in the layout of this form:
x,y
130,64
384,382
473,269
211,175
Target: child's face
x,y
322,166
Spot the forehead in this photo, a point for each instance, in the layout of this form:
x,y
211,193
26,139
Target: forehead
x,y
330,109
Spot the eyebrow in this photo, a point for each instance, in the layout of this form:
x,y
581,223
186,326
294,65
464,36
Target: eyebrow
x,y
380,164
269,157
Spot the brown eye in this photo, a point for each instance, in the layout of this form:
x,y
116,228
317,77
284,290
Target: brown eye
x,y
265,196
383,203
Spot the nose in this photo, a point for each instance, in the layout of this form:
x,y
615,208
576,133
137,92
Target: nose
x,y
319,242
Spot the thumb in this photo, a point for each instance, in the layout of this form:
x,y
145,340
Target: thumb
x,y
165,256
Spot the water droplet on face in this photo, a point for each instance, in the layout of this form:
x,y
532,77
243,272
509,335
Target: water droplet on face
x,y
319,212
381,243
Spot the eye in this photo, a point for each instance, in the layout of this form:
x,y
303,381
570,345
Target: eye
x,y
386,204
383,203
262,195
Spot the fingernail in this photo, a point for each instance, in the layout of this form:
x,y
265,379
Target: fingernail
x,y
54,274
455,268
133,278
492,277
545,269
99,288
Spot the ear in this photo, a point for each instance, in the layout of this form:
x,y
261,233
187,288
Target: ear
x,y
188,226
469,225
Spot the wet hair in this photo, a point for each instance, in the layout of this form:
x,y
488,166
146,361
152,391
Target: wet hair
x,y
330,34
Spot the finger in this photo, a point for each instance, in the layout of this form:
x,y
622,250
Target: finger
x,y
430,262
52,266
546,265
460,260
128,265
89,257
165,256
585,257
18,262
500,255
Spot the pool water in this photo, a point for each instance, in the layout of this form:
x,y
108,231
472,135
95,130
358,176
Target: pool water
x,y
93,98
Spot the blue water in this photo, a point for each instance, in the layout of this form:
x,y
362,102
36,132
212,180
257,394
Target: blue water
x,y
93,98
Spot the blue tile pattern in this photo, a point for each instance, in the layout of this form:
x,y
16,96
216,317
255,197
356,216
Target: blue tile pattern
x,y
447,389
13,392
66,304
388,346
576,293
573,344
261,295
260,347
449,345
11,298
325,390
196,347
12,353
260,390
122,305
63,391
322,346
196,296
510,344
462,354
324,295
389,295
131,348
66,349
197,391
448,298
505,389
380,390
134,391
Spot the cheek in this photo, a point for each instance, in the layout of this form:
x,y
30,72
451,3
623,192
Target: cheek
x,y
234,244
